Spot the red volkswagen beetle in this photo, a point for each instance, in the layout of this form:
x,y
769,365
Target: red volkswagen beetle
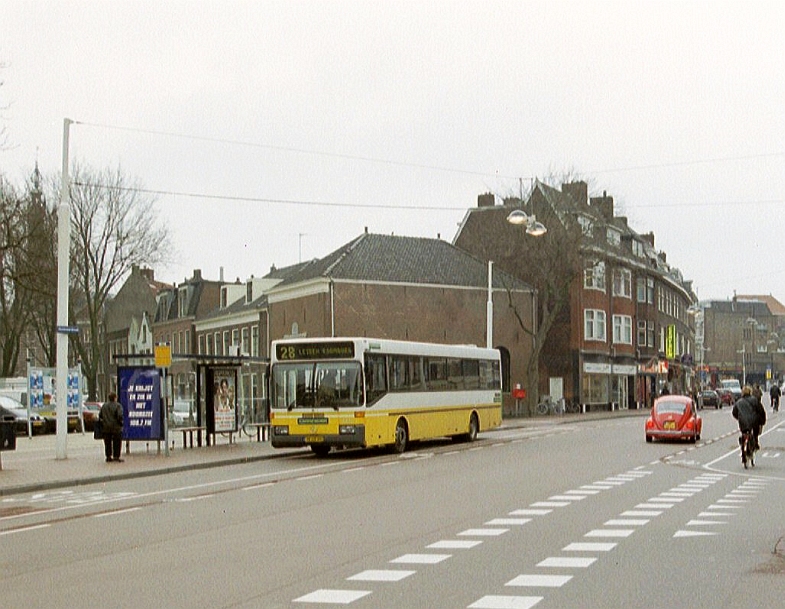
x,y
674,416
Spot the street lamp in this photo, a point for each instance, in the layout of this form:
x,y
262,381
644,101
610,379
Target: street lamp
x,y
521,218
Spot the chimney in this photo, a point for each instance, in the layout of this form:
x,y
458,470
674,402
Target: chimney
x,y
578,192
486,200
148,274
197,275
649,238
604,205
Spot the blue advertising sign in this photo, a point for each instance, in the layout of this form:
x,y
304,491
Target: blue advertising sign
x,y
140,396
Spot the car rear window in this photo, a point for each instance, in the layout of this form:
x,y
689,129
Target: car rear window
x,y
677,407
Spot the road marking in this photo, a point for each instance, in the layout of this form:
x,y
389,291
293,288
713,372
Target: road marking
x,y
507,521
381,575
596,487
610,533
551,504
618,522
567,562
715,514
641,513
582,492
455,544
421,559
567,498
530,512
545,581
506,602
693,533
24,529
701,523
589,547
654,506
117,512
483,532
668,499
335,597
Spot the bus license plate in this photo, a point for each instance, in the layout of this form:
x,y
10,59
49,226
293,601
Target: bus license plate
x,y
314,439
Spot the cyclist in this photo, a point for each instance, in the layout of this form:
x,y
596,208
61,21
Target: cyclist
x,y
749,412
775,394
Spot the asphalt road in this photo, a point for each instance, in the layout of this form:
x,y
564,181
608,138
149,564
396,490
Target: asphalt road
x,y
583,515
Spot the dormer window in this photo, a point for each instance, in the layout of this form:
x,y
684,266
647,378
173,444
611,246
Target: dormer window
x,y
586,225
182,296
614,237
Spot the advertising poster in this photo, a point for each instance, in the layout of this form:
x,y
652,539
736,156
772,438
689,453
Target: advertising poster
x,y
42,389
224,400
140,397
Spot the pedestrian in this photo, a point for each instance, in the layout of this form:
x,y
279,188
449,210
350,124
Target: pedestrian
x,y
111,417
775,394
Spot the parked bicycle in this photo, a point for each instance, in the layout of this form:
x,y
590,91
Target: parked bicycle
x,y
548,406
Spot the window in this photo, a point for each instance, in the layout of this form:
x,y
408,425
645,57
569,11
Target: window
x,y
201,344
594,324
255,341
613,236
622,283
594,276
245,347
622,329
638,248
586,225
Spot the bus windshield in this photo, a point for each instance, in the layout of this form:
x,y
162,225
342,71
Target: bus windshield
x,y
317,385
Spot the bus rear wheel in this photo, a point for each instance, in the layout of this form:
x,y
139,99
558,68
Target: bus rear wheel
x,y
474,428
401,436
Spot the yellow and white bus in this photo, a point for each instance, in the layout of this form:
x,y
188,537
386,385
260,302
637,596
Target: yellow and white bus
x,y
361,392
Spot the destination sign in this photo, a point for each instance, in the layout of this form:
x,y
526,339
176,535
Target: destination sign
x,y
307,351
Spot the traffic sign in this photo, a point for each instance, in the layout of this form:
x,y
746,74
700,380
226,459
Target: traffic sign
x,y
163,356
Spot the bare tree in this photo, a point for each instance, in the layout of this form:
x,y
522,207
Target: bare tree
x,y
12,310
549,263
113,227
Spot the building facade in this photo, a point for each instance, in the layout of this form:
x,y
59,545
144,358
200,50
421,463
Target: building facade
x,y
625,335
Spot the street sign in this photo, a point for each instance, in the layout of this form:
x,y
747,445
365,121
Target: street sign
x,y
163,356
68,329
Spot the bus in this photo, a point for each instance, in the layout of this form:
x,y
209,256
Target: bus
x,y
337,393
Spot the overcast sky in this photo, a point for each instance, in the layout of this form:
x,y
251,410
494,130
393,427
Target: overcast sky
x,y
298,124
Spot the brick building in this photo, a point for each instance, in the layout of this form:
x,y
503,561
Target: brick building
x,y
626,332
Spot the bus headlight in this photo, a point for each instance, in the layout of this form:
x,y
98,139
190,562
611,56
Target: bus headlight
x,y
280,430
347,430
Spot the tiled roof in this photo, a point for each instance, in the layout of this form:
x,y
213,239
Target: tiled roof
x,y
393,259
775,306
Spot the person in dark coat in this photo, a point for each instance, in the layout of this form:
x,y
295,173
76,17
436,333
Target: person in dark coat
x,y
775,392
111,417
750,414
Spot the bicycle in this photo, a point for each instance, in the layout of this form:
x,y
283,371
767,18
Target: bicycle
x,y
548,406
746,442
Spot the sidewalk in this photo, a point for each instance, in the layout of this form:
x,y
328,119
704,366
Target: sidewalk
x,y
33,466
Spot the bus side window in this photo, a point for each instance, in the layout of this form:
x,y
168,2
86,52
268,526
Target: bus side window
x,y
375,378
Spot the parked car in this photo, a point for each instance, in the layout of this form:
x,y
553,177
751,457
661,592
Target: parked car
x,y
674,417
709,397
14,411
50,416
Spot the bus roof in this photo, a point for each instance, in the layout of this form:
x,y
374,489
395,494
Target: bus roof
x,y
398,347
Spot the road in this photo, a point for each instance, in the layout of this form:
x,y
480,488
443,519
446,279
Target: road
x,y
573,515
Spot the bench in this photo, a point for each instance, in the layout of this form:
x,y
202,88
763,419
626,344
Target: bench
x,y
188,432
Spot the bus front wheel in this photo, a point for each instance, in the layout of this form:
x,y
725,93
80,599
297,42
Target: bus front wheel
x,y
319,450
401,436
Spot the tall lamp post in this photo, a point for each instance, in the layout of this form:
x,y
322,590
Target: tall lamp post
x,y
517,217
